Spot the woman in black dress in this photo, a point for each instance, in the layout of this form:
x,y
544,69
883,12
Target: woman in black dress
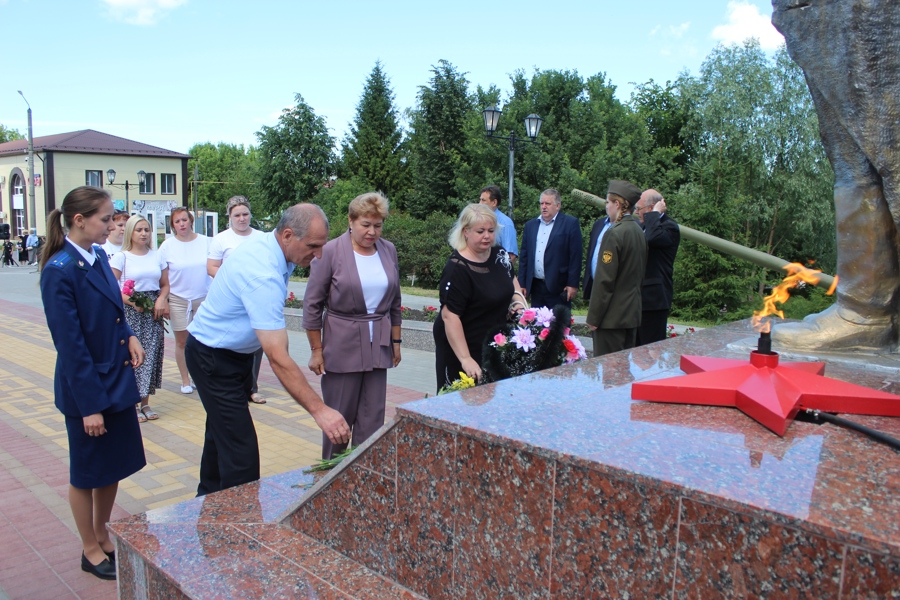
x,y
94,385
476,289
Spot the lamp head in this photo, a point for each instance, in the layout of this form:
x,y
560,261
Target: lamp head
x,y
491,118
111,176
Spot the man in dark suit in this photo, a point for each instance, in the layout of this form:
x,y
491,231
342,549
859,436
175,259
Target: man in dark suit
x,y
601,226
614,313
550,257
663,237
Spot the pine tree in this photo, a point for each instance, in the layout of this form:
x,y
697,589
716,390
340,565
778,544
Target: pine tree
x,y
374,150
439,140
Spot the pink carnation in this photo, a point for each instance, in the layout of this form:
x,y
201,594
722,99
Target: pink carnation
x,y
500,340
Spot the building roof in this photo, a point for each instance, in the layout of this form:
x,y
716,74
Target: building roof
x,y
90,142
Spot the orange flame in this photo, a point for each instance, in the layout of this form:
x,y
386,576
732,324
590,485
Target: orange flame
x,y
796,274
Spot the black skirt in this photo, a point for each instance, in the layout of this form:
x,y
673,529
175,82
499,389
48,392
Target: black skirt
x,y
96,462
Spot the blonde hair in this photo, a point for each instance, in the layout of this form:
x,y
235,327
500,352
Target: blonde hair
x,y
133,221
624,207
469,216
371,203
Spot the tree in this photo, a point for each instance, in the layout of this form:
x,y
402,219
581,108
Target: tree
x,y
8,135
226,170
295,157
438,141
373,150
758,176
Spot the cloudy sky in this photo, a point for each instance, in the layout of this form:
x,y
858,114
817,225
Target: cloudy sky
x,y
173,73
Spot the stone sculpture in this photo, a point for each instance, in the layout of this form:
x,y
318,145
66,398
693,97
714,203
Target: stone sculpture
x,y
849,51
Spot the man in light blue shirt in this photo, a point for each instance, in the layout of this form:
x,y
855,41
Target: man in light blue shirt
x,y
244,311
490,197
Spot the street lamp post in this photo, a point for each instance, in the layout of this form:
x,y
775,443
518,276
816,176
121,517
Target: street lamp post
x,y
532,128
32,218
111,177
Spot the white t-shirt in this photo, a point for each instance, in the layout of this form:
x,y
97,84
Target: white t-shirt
x,y
374,282
187,266
226,241
111,248
144,270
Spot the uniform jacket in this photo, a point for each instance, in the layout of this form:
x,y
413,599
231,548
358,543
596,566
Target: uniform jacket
x,y
616,294
86,318
663,237
334,286
562,257
588,282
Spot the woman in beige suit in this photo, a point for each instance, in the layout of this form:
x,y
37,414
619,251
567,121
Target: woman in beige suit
x,y
351,313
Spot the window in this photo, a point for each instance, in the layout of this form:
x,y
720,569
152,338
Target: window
x,y
167,183
149,185
94,178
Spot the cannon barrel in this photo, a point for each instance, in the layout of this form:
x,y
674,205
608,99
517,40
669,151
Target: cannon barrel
x,y
716,243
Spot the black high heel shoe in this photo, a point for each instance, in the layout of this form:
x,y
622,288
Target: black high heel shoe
x,y
105,570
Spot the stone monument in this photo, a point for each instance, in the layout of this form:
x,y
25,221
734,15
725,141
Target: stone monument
x,y
849,51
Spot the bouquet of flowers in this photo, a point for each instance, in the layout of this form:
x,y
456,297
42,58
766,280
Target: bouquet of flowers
x,y
463,383
538,339
140,299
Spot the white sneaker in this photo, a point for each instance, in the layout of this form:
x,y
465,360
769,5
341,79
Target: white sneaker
x,y
186,389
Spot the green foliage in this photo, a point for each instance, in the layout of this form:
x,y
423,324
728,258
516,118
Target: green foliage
x,y
758,177
8,134
335,201
226,170
808,301
421,245
438,141
373,150
295,157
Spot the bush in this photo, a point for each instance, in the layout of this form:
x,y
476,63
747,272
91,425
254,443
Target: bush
x,y
421,246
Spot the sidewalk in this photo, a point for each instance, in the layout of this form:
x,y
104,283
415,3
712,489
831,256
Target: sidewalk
x,y
39,547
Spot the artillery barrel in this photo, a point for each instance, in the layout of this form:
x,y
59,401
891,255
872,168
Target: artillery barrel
x,y
716,243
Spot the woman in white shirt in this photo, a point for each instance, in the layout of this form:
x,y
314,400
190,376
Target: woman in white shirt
x,y
239,231
138,262
117,236
185,255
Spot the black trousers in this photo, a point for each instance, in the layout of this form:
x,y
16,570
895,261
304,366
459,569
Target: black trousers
x,y
607,341
653,326
230,447
541,296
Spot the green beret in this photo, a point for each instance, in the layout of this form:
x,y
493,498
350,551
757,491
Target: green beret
x,y
625,189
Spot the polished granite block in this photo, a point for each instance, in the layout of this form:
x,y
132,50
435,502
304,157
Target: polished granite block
x,y
503,528
871,576
555,485
725,554
427,478
356,518
601,523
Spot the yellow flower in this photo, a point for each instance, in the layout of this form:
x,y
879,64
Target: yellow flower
x,y
467,381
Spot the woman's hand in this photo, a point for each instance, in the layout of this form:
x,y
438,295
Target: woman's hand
x,y
471,368
136,351
396,351
94,425
317,362
161,308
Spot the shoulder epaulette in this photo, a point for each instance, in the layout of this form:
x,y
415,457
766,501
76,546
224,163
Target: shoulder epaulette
x,y
60,259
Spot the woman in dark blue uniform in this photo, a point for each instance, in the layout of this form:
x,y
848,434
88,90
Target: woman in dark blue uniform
x,y
94,385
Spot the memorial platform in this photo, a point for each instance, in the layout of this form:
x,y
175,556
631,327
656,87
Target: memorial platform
x,y
554,484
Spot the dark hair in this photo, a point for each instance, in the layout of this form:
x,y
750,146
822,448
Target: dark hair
x,y
85,201
178,209
493,192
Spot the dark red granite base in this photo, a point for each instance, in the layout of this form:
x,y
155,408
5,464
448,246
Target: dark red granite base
x,y
554,485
